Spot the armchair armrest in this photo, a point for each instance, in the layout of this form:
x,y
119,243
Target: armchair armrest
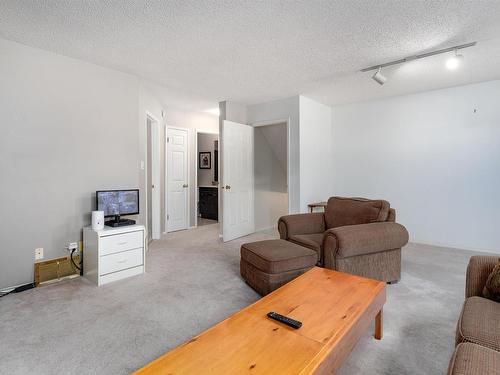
x,y
478,270
353,240
290,225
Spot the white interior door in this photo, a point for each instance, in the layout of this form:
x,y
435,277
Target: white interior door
x,y
177,179
237,180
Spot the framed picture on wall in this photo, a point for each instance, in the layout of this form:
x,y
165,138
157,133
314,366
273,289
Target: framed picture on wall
x,y
205,161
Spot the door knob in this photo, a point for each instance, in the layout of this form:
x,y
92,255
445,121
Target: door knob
x,y
185,185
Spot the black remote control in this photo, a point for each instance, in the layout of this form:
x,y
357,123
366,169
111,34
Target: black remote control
x,y
285,320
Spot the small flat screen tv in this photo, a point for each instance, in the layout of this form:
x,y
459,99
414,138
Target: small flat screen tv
x,y
116,203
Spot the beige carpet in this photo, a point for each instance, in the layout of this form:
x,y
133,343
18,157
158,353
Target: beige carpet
x,y
192,282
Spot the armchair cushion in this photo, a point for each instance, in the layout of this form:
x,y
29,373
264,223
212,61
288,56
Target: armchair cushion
x,y
478,270
291,225
353,240
312,241
479,323
351,211
474,359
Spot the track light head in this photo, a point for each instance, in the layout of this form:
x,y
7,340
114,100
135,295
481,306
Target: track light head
x,y
378,77
454,61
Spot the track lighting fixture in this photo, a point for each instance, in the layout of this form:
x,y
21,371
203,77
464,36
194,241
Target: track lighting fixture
x,y
452,63
379,77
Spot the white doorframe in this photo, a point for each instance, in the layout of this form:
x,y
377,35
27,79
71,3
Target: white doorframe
x,y
188,205
155,176
196,195
276,122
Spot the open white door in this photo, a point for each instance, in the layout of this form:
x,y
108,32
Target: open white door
x,y
177,179
237,180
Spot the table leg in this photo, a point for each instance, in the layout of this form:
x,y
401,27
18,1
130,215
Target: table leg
x,y
379,325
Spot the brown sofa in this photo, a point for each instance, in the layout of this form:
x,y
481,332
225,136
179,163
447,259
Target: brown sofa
x,y
353,235
478,329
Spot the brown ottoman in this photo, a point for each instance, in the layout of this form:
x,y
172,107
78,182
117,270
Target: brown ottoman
x,y
267,265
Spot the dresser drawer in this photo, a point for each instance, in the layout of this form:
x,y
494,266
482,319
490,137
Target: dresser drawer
x,y
121,242
114,276
120,261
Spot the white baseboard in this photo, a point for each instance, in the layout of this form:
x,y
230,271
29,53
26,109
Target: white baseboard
x,y
451,246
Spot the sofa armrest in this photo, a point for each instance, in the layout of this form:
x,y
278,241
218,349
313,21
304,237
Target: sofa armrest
x,y
353,240
291,225
478,270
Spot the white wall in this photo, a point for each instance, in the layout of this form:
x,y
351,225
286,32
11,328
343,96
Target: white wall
x,y
192,121
284,109
310,146
435,156
232,111
270,171
68,128
316,152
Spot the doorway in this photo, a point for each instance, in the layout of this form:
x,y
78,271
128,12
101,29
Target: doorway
x,y
153,178
270,174
207,178
177,193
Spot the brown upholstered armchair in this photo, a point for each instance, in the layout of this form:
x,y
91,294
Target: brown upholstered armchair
x,y
354,235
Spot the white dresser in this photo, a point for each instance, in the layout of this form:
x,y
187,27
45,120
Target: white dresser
x,y
113,253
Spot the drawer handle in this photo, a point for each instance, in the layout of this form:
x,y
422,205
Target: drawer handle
x,y
122,261
122,243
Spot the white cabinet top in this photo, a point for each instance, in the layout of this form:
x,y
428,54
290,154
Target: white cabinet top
x,y
107,231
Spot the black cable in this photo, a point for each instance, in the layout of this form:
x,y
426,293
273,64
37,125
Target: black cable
x,y
73,261
4,294
17,289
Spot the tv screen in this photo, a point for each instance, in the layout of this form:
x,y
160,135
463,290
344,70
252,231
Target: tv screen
x,y
118,202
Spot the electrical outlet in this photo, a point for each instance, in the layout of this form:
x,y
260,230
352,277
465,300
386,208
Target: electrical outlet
x,y
72,246
39,253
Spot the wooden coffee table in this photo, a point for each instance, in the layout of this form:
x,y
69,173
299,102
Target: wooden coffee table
x,y
335,310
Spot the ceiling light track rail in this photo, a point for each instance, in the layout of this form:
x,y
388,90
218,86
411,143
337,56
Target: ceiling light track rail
x,y
420,56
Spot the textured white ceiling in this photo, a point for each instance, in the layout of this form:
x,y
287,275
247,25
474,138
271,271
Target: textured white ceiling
x,y
254,51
